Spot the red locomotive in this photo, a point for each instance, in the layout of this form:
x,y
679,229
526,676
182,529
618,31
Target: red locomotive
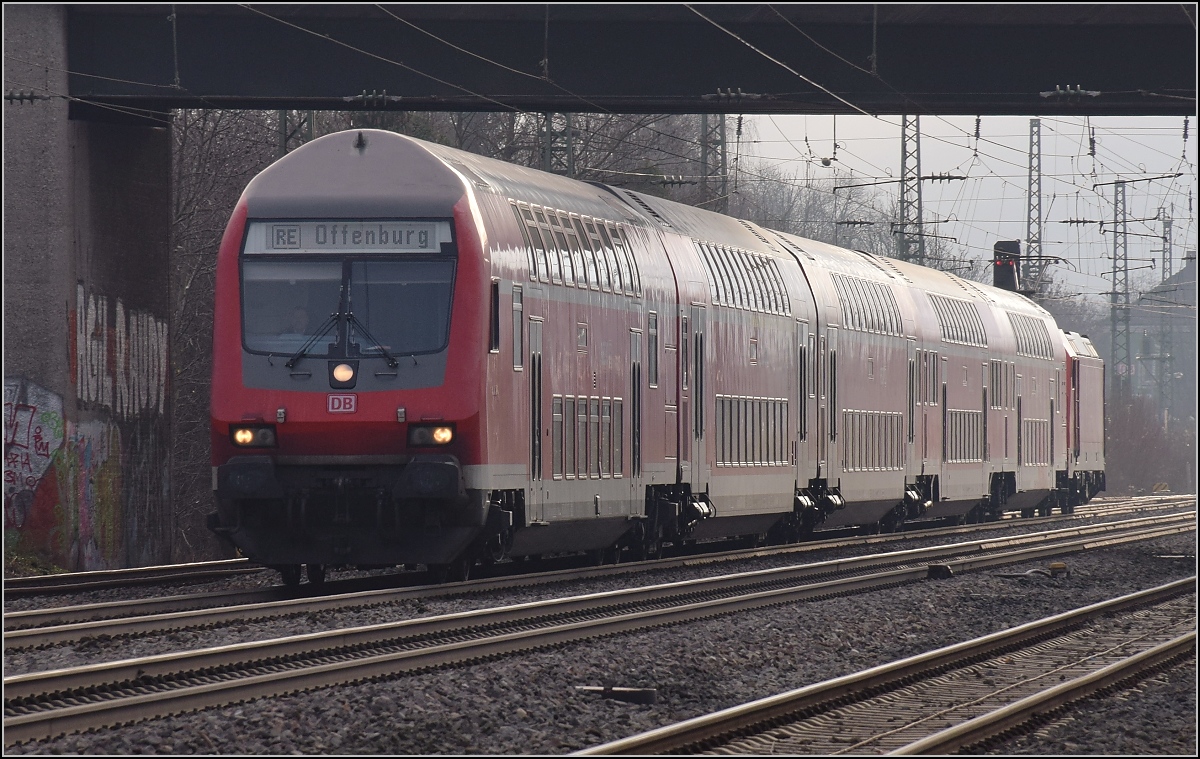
x,y
424,356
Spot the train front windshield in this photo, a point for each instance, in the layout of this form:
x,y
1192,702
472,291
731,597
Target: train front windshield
x,y
393,302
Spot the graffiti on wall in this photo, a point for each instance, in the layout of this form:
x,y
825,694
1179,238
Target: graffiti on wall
x,y
122,368
93,493
33,434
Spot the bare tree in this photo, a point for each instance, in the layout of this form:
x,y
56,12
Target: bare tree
x,y
215,153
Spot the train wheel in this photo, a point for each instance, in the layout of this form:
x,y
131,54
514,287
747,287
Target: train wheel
x,y
290,574
458,570
316,573
652,550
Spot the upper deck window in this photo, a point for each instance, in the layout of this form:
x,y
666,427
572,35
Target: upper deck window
x,y
867,306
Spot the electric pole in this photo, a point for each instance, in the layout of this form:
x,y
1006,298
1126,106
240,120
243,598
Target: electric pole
x,y
1166,348
910,245
1033,265
713,167
1122,366
558,157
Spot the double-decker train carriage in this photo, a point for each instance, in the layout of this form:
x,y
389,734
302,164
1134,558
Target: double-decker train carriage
x,y
424,356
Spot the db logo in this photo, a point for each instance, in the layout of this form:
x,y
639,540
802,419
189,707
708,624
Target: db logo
x,y
343,404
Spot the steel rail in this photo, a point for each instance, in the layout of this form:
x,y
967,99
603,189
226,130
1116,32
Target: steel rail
x,y
71,582
18,587
1019,712
140,674
682,736
46,635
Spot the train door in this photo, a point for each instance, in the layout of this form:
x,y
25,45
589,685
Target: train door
x,y
699,453
822,408
805,389
944,394
912,400
635,415
684,427
832,409
536,434
1020,437
1074,406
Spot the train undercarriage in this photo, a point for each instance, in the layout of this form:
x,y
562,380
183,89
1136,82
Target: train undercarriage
x,y
371,516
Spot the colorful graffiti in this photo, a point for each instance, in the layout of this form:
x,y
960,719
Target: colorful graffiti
x,y
92,491
33,434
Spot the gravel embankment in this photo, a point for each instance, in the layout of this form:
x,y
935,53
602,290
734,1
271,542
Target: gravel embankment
x,y
92,650
527,703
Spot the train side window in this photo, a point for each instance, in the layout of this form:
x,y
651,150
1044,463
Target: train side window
x,y
623,249
812,362
606,437
554,266
556,437
602,239
617,439
594,439
560,265
772,273
652,348
783,294
589,262
518,324
912,396
724,431
570,259
740,297
760,274
537,250
872,309
833,430
724,273
741,430
922,380
569,437
605,272
581,437
582,246
736,280
754,264
866,301
543,244
710,270
524,218
749,295
749,285
494,320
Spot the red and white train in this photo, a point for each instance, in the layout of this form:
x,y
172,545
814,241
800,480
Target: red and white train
x,y
424,356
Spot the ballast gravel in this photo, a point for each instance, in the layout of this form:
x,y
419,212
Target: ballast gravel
x,y
528,703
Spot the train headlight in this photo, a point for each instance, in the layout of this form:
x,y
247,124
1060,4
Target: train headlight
x,y
421,435
343,372
253,436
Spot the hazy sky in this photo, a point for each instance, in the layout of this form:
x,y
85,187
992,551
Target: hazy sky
x,y
991,203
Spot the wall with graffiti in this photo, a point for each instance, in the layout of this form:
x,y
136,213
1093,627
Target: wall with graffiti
x,y
91,494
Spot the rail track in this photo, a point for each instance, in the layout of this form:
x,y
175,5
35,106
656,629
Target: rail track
x,y
55,626
953,697
45,704
80,582
357,591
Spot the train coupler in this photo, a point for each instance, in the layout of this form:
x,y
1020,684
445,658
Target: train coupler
x,y
915,503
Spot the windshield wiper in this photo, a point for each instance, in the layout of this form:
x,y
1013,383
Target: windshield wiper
x,y
330,322
391,360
